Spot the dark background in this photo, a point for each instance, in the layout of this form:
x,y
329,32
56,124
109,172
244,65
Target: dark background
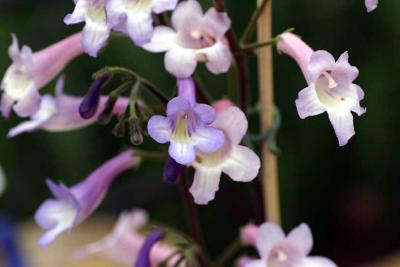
x,y
348,195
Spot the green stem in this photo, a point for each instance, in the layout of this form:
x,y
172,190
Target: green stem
x,y
255,46
229,253
251,27
151,154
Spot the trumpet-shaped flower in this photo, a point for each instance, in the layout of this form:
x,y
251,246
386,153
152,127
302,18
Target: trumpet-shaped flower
x,y
61,113
96,30
330,86
71,206
31,71
292,251
124,243
371,4
187,128
239,162
134,17
195,37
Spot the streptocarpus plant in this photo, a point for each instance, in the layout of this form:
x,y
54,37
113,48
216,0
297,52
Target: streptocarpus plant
x,y
197,134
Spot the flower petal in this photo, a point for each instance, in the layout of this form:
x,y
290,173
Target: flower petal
x,y
186,11
218,21
140,27
208,140
301,237
371,5
205,112
342,122
180,62
159,6
95,35
176,104
320,62
316,261
256,263
6,105
269,235
242,165
115,9
343,73
46,111
79,13
181,152
308,103
205,184
233,122
164,39
159,128
218,58
29,103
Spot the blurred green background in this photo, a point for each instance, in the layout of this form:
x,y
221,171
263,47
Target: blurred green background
x,y
348,195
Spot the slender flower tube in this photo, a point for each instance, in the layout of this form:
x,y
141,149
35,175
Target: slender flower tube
x,y
371,4
29,72
195,37
239,162
186,126
61,113
71,206
135,17
124,243
96,30
330,86
292,251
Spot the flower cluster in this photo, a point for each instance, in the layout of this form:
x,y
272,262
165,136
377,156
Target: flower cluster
x,y
207,136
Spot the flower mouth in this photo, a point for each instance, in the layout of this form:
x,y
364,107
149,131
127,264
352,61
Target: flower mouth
x,y
139,5
326,88
181,131
17,82
214,159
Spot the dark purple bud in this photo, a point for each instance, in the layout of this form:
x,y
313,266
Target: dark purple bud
x,y
143,259
90,102
172,170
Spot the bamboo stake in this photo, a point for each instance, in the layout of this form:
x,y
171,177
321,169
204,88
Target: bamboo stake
x,y
269,176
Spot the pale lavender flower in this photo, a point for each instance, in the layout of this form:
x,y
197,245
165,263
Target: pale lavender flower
x,y
124,243
240,163
292,251
330,86
71,206
186,126
96,30
195,37
29,72
134,17
371,4
61,113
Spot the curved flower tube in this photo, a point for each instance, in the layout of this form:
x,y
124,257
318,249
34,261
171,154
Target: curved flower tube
x,y
135,17
371,5
239,162
292,251
29,72
124,243
195,37
71,206
96,30
330,86
61,113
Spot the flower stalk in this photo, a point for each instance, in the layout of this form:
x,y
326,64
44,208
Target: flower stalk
x,y
269,175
